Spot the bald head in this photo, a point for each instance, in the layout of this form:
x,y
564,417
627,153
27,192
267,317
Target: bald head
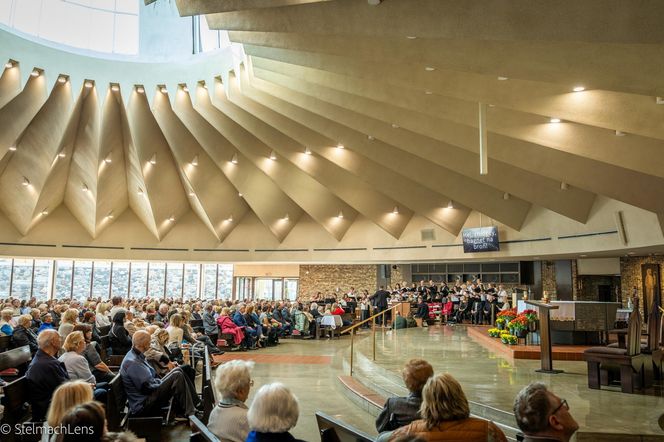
x,y
141,340
49,342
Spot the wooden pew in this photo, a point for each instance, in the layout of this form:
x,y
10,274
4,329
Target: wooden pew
x,y
208,393
13,363
334,430
199,432
15,401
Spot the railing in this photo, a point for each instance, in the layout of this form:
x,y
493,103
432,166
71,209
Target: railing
x,y
352,329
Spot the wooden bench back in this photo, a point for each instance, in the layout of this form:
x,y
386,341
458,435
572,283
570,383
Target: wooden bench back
x,y
634,331
333,430
15,358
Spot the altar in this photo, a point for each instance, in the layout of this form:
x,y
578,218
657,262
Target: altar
x,y
580,322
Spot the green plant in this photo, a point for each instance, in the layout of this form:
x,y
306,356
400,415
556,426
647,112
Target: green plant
x,y
530,314
511,339
501,322
519,323
494,332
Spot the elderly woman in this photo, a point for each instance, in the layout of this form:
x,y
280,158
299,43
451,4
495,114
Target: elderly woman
x,y
6,328
162,359
226,325
446,416
69,319
47,323
400,411
273,412
99,369
228,419
23,334
76,364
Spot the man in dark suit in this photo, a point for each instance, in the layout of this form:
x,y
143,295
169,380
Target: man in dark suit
x,y
45,374
379,301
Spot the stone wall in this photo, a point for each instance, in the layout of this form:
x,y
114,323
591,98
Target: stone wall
x,y
397,276
329,278
548,277
630,272
588,287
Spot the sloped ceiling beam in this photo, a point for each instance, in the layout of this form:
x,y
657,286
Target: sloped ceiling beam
x,y
196,7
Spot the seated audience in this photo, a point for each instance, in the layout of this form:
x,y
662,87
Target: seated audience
x,y
422,309
228,419
68,322
90,319
210,323
273,412
174,329
45,374
400,411
23,334
446,415
146,392
101,318
6,327
100,370
84,423
47,323
65,397
543,416
118,335
226,325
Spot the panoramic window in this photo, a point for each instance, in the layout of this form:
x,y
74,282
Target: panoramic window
x,y
109,26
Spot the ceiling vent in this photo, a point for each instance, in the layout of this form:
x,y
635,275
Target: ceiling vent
x,y
428,235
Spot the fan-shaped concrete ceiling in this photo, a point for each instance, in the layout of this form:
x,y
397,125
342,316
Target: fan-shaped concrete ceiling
x,y
345,113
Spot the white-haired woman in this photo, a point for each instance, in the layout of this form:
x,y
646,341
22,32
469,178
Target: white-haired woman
x,y
272,414
228,420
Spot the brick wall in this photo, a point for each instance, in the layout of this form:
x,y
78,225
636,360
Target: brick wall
x,y
630,272
588,286
327,278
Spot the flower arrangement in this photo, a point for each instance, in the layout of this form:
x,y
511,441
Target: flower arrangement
x,y
519,323
504,333
500,323
508,314
530,314
509,339
494,332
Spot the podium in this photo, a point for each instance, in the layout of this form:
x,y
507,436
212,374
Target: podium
x,y
546,356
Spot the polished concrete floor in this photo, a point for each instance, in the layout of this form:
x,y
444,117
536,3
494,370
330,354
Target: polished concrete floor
x,y
310,368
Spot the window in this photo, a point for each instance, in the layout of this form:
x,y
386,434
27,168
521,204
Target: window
x,y
191,280
101,279
41,279
82,280
22,278
264,289
99,25
63,279
138,284
157,280
209,289
5,274
174,275
225,281
120,286
291,289
243,288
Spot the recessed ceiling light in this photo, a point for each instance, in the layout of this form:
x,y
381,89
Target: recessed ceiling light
x,y
554,120
140,89
26,181
153,159
88,84
62,154
273,156
395,211
185,88
631,253
62,79
340,215
108,159
110,215
230,219
234,159
395,126
411,37
35,73
307,151
659,100
171,218
564,186
44,212
450,205
370,137
506,196
85,188
115,88
240,194
194,161
340,146
12,148
427,92
140,191
9,65
286,217
192,193
163,90
579,89
619,133
501,78
429,68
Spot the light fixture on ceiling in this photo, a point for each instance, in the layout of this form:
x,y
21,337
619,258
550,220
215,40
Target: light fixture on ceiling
x,y
26,181
341,214
140,89
44,212
411,37
554,120
240,194
163,90
230,219
192,193
12,148
564,186
370,137
88,84
450,204
115,87
273,156
62,154
234,159
428,92
286,217
340,146
501,78
395,211
307,151
185,88
194,161
619,133
153,159
35,72
110,215
141,192
62,79
171,218
429,68
395,126
579,89
659,100
108,159
85,188
9,64
506,196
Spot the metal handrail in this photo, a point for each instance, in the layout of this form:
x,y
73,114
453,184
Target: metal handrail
x,y
373,332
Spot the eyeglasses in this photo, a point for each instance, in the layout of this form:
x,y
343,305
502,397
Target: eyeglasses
x,y
563,403
251,383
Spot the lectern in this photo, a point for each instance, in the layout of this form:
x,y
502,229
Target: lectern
x,y
546,356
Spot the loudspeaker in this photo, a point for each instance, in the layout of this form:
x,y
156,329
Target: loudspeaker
x,y
620,226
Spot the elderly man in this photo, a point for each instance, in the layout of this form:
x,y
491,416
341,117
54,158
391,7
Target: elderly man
x,y
146,393
45,374
543,416
162,314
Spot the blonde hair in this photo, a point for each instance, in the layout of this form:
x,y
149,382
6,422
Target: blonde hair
x,y
72,340
70,316
7,313
25,320
176,320
66,397
443,399
225,311
102,307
